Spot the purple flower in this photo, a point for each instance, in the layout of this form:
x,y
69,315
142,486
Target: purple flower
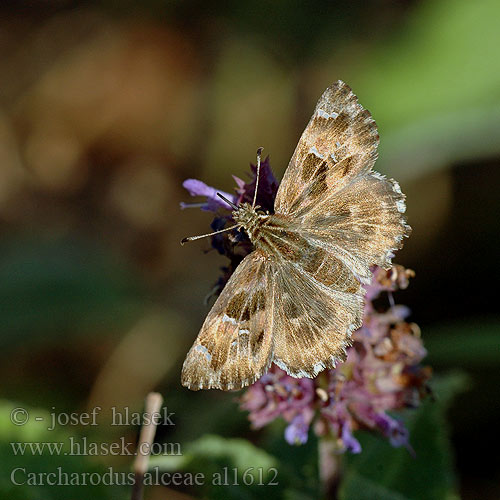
x,y
296,432
278,394
349,441
212,202
268,187
382,373
393,429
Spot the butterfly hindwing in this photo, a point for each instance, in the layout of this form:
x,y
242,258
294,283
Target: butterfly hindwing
x,y
363,224
318,304
318,301
234,347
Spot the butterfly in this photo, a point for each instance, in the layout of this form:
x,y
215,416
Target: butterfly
x,y
296,299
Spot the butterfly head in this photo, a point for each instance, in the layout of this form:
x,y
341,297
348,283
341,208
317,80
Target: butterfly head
x,y
249,218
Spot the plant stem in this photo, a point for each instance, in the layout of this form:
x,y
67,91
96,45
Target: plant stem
x,y
330,468
147,435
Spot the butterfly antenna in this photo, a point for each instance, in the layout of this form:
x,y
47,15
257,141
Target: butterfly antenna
x,y
192,238
229,202
259,153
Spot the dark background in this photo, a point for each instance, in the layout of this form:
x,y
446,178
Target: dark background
x,y
106,107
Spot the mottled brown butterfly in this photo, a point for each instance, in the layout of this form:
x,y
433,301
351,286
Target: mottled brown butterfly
x,y
297,297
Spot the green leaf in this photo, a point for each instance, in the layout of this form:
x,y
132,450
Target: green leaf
x,y
367,489
381,471
234,468
235,452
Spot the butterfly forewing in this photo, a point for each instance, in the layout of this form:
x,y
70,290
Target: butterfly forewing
x,y
234,347
330,189
339,143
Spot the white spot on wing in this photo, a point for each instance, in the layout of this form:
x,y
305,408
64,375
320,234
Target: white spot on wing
x,y
204,350
351,328
301,373
396,187
378,175
318,367
244,331
323,114
389,256
227,319
315,152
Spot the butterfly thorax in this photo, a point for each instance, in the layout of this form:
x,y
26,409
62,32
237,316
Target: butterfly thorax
x,y
273,234
250,219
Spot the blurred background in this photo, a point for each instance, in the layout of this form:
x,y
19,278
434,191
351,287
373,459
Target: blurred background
x,y
106,107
